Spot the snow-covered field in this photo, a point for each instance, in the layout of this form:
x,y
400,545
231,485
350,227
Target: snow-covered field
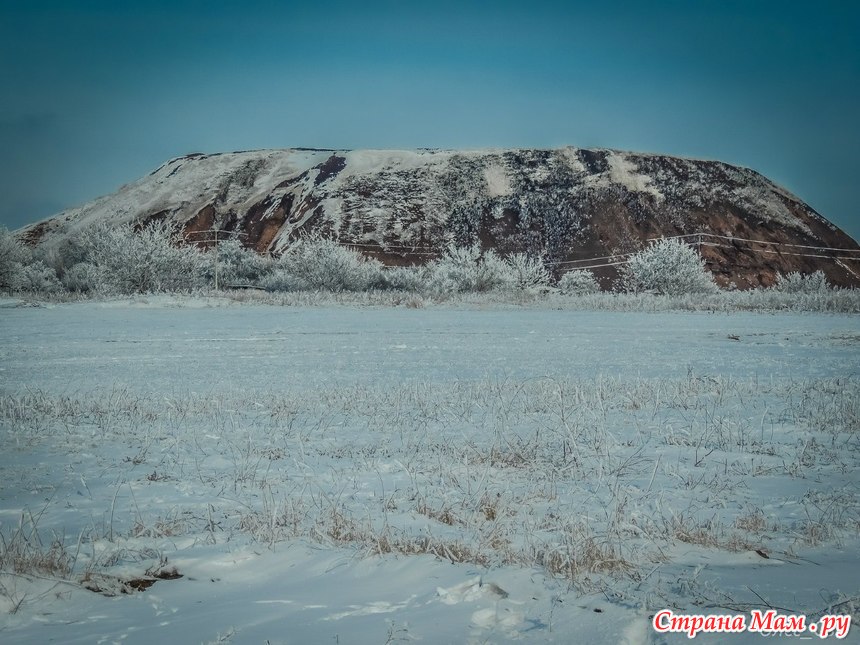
x,y
444,475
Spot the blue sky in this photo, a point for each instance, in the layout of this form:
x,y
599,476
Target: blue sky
x,y
96,94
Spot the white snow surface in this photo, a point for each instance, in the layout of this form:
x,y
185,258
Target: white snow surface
x,y
264,452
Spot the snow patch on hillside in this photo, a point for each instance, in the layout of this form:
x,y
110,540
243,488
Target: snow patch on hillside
x,y
369,162
623,171
571,155
498,183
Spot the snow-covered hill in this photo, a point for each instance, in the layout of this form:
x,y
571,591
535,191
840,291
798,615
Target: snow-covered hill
x,y
405,206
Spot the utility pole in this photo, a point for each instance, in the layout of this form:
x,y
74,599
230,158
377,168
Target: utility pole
x,y
215,231
216,259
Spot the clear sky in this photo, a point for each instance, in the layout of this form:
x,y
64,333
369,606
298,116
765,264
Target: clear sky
x,y
96,93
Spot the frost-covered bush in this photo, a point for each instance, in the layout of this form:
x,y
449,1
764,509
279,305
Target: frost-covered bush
x,y
282,280
466,268
145,260
802,283
236,264
13,257
526,272
83,277
403,279
36,277
667,267
579,282
324,264
61,258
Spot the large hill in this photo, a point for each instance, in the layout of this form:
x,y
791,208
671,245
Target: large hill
x,y
580,207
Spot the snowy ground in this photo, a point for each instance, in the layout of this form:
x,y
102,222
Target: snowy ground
x,y
373,475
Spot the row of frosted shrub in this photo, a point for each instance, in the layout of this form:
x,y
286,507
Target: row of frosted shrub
x,y
152,258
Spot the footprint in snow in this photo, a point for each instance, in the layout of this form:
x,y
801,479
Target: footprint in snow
x,y
496,617
472,589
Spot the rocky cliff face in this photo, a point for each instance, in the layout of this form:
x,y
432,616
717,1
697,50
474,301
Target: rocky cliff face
x,y
581,208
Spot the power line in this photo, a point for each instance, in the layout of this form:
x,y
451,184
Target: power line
x,y
763,242
617,259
